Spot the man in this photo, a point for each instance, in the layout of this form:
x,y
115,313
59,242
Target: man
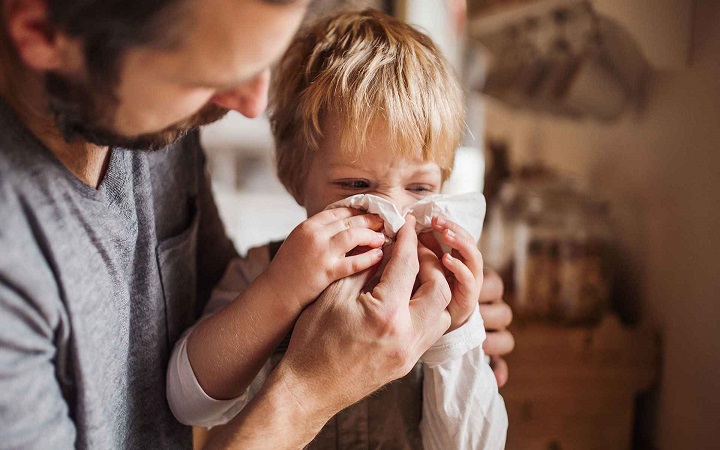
x,y
108,252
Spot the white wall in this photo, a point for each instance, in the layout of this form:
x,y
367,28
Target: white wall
x,y
661,170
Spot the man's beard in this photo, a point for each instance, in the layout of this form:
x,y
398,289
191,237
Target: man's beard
x,y
79,112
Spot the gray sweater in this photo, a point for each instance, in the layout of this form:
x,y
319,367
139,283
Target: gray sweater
x,y
95,287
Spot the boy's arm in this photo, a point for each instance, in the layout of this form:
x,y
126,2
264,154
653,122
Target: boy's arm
x,y
187,399
227,349
462,408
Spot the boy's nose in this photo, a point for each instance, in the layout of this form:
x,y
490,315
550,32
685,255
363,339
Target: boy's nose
x,y
249,99
396,198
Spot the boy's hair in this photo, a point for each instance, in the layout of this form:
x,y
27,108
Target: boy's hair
x,y
363,67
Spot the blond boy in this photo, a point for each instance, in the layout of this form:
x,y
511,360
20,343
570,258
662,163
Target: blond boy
x,y
362,104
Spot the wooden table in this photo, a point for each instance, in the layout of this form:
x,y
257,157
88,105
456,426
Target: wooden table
x,y
575,388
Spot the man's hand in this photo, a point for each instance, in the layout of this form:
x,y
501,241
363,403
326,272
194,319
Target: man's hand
x,y
350,343
497,315
316,253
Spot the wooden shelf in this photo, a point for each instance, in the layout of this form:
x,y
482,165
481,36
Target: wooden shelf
x,y
661,28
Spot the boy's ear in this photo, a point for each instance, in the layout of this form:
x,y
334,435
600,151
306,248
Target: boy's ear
x,y
39,44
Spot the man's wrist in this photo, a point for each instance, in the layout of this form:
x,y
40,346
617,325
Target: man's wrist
x,y
306,401
278,417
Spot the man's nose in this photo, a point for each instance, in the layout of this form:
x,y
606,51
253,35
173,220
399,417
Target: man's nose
x,y
249,99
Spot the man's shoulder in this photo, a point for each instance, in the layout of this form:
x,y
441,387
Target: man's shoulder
x,y
15,182
26,185
27,168
29,180
21,193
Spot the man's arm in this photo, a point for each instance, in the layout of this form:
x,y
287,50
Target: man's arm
x,y
34,331
33,410
275,419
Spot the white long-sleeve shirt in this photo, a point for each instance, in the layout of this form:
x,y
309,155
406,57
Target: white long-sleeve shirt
x,y
461,405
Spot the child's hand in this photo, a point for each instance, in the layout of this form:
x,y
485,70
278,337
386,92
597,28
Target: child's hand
x,y
465,266
316,253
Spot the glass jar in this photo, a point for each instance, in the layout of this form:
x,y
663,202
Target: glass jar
x,y
584,266
561,258
538,238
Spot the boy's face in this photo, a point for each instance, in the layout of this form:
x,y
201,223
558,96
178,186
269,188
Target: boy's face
x,y
377,170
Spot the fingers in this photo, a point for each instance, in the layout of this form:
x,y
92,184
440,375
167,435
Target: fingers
x,y
440,224
429,241
461,241
347,240
348,287
463,275
357,263
500,369
492,288
430,270
428,306
365,221
333,215
339,219
399,275
497,316
498,343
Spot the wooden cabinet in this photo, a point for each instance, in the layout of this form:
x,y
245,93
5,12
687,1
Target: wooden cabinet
x,y
575,388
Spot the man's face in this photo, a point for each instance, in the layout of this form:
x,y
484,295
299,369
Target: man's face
x,y
221,63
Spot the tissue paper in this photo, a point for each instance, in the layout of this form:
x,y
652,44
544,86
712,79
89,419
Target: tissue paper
x,y
467,210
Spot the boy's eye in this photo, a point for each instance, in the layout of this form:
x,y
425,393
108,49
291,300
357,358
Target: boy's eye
x,y
421,188
353,184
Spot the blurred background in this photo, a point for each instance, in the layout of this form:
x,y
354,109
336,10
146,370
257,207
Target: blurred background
x,y
594,132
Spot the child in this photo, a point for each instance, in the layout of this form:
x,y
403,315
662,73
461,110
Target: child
x,y
362,104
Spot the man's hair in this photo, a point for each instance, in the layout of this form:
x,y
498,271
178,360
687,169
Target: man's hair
x,y
364,68
109,27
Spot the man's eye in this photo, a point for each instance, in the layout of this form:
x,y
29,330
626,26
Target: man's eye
x,y
353,184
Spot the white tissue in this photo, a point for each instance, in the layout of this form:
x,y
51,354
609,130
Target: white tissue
x,y
467,210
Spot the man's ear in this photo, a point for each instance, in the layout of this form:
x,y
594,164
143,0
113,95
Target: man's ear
x,y
298,196
38,42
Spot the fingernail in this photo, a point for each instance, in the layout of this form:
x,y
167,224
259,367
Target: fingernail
x,y
450,234
377,253
449,257
380,236
441,221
